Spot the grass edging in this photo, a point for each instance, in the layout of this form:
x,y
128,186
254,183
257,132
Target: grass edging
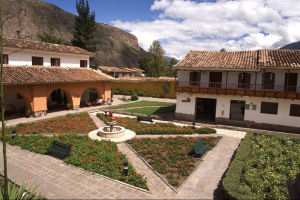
x,y
144,161
231,180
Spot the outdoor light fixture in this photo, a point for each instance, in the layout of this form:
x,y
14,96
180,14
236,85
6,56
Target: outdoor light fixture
x,y
105,113
194,125
14,134
125,171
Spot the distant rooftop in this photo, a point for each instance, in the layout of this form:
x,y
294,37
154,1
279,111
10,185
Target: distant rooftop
x,y
144,79
241,60
43,46
119,69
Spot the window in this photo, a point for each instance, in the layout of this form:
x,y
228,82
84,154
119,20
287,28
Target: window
x,y
295,110
244,80
269,108
215,79
83,63
268,80
55,61
5,59
37,60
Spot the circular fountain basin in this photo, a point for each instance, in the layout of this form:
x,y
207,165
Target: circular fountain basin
x,y
117,132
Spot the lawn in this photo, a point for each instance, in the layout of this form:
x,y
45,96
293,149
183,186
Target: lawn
x,y
71,123
262,166
153,110
171,156
141,104
141,128
100,157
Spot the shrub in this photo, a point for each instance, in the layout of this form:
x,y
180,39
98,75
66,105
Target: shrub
x,y
15,192
166,87
262,166
134,97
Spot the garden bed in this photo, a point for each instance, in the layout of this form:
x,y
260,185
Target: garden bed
x,y
71,123
141,128
100,157
171,157
262,166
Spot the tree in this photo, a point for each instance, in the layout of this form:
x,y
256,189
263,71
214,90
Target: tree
x,y
170,72
85,27
46,37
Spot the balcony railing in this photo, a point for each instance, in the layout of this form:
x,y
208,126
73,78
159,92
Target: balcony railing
x,y
276,91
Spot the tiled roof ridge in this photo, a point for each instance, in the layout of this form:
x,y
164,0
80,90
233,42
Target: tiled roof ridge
x,y
83,51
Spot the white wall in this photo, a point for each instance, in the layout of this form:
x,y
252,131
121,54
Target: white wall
x,y
24,57
223,108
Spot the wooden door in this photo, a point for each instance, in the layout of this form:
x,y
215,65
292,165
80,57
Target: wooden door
x,y
215,79
244,80
291,82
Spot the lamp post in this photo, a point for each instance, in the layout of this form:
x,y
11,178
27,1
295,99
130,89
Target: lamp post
x,y
193,125
125,170
14,134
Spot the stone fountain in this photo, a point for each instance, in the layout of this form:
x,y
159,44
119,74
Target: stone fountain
x,y
112,132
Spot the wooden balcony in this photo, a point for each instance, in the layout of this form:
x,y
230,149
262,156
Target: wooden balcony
x,y
239,89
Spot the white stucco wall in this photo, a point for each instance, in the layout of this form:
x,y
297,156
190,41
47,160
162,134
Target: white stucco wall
x,y
24,57
223,108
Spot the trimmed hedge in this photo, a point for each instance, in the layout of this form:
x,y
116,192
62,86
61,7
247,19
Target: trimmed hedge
x,y
262,166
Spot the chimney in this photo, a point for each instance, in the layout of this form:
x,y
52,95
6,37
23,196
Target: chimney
x,y
223,50
18,35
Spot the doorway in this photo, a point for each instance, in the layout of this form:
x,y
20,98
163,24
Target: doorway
x,y
206,109
290,84
237,110
215,79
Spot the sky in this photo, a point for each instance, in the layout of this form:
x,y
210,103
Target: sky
x,y
209,25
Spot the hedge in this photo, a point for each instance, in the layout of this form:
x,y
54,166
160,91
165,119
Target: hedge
x,y
262,166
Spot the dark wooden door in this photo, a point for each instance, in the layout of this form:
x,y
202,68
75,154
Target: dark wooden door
x,y
237,110
215,79
206,109
291,82
244,80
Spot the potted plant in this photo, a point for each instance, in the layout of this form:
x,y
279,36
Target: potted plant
x,y
28,112
69,106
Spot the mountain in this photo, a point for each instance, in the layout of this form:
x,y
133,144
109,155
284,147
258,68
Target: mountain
x,y
293,46
116,47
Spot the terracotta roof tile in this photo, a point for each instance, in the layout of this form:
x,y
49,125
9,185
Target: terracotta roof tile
x,y
43,46
143,79
240,60
23,75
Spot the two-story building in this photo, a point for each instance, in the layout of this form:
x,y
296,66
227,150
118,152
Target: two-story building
x,y
258,88
118,72
41,76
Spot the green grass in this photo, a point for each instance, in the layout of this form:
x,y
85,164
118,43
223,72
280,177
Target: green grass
x,y
262,167
141,104
153,110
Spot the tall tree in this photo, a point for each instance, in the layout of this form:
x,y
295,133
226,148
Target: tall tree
x,y
85,27
157,63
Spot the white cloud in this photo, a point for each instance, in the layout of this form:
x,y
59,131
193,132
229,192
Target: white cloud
x,y
185,25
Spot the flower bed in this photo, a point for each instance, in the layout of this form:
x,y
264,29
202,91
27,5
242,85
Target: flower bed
x,y
71,123
171,156
95,156
262,166
155,129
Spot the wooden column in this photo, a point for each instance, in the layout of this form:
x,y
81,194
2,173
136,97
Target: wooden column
x,y
226,82
286,85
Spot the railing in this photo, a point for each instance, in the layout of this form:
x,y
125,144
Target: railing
x,y
246,87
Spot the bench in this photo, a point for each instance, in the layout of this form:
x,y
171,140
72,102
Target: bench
x,y
59,149
145,119
200,148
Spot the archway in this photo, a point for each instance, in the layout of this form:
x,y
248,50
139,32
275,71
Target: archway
x,y
58,100
89,97
15,106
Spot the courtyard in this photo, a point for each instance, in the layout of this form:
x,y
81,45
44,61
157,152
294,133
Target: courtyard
x,y
160,164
